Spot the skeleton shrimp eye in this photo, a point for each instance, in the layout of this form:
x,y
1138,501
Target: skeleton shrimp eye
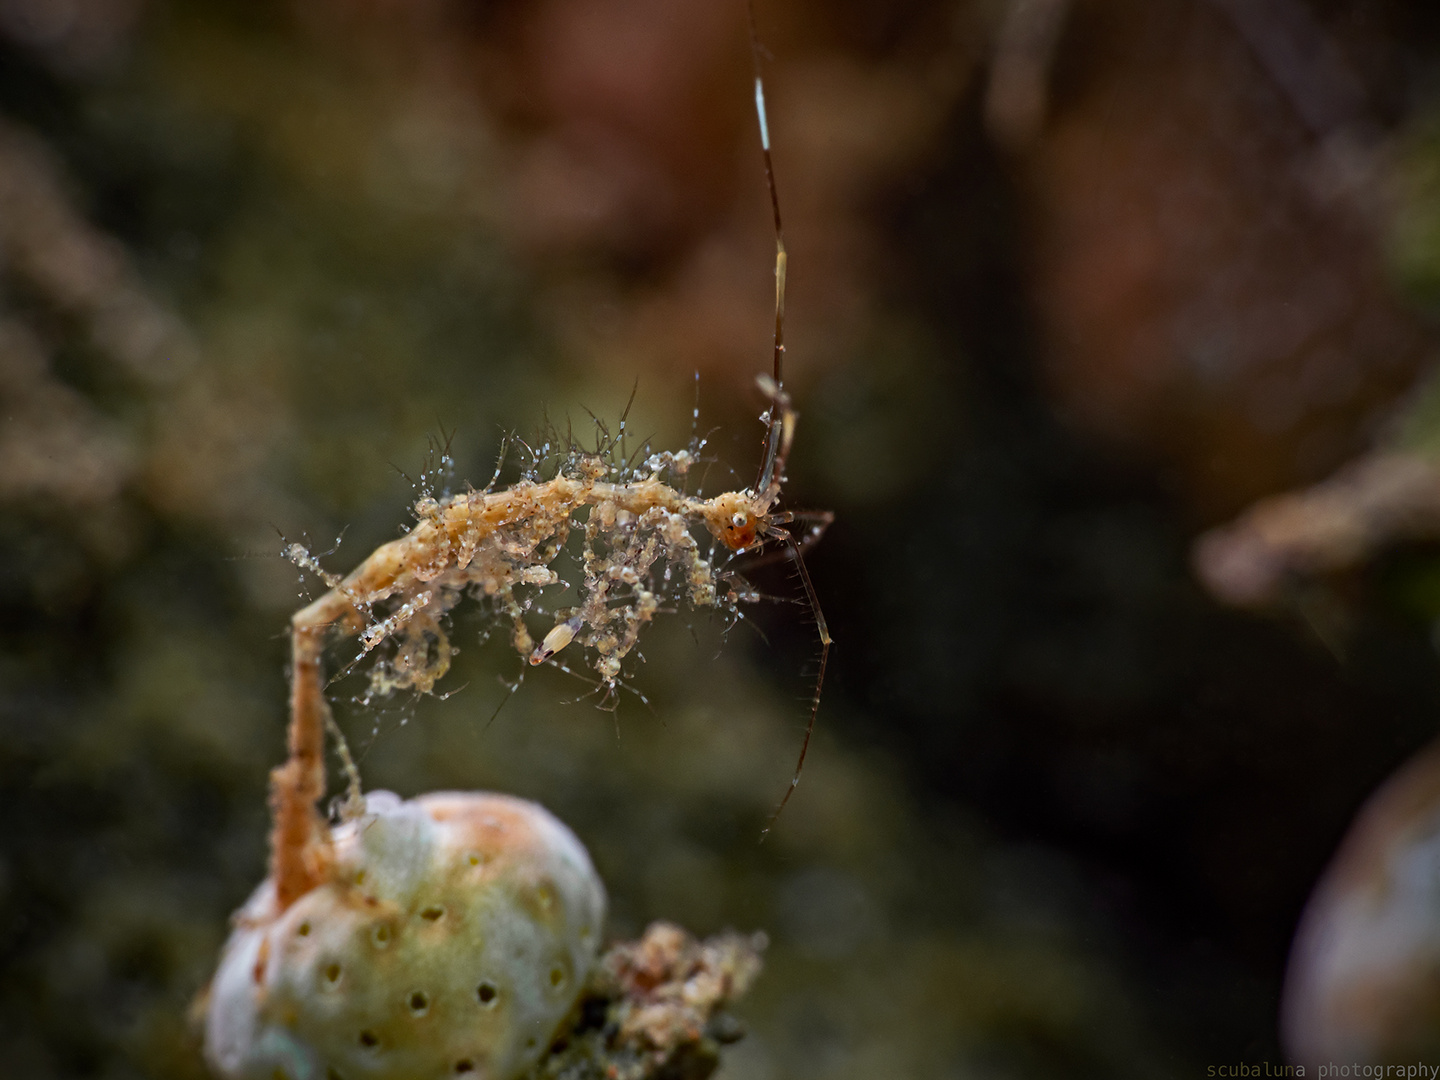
x,y
740,532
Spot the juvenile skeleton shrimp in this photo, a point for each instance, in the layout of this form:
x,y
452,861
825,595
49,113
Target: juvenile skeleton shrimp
x,y
639,544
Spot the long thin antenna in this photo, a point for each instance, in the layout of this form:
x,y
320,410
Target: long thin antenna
x,y
780,417
767,447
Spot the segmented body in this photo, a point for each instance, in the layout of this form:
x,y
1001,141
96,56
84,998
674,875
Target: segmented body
x,y
640,548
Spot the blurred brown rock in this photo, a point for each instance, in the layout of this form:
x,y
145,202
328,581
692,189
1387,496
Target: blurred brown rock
x,y
1207,264
1377,500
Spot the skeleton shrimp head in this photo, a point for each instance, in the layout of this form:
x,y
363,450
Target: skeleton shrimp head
x,y
737,519
742,520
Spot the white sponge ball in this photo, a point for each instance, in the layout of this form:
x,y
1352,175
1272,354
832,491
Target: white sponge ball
x,y
455,935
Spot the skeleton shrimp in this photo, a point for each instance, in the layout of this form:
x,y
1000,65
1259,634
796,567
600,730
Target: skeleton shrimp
x,y
639,547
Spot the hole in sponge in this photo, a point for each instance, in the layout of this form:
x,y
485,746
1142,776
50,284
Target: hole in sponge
x,y
368,1040
419,1003
433,913
303,929
381,935
332,973
488,993
464,1065
557,976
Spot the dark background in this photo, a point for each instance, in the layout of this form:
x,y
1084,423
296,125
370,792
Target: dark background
x,y
1064,808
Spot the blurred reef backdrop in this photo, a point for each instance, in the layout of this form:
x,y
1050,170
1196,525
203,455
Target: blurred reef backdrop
x,y
1079,290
